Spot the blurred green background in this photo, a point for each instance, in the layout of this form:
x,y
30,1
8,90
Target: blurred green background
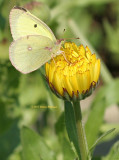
x,y
96,23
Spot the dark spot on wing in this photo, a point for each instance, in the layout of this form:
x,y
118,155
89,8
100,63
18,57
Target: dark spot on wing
x,y
23,9
35,25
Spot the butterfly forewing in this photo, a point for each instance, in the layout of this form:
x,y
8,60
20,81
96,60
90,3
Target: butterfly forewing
x,y
23,23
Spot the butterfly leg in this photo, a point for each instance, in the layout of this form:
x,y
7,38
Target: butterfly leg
x,y
65,57
52,56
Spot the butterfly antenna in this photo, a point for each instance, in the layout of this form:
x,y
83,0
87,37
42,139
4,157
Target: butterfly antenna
x,y
63,39
71,38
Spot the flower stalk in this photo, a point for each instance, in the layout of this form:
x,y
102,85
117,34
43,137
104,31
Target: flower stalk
x,y
80,131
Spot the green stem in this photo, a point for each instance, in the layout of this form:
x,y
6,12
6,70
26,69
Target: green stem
x,y
80,131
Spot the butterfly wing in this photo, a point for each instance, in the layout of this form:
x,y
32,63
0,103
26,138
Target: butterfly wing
x,y
30,52
23,23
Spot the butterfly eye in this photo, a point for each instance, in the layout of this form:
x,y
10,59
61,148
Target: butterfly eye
x,y
35,25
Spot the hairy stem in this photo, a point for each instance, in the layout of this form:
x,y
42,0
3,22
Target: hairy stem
x,y
80,131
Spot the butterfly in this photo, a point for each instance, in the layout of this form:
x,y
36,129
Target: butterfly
x,y
33,44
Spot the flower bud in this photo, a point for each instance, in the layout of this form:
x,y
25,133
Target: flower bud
x,y
74,74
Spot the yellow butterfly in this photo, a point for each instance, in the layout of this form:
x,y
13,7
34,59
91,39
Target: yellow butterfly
x,y
34,43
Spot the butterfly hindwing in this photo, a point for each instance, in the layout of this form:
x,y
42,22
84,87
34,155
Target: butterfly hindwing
x,y
30,52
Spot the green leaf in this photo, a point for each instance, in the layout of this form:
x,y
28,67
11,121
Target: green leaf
x,y
69,4
1,1
26,90
70,125
112,40
68,153
9,140
111,92
34,146
5,121
94,122
59,125
114,152
106,96
106,126
100,138
9,80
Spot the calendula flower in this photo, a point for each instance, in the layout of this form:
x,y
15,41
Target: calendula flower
x,y
74,73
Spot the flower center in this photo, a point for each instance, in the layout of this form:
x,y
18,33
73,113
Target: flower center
x,y
75,59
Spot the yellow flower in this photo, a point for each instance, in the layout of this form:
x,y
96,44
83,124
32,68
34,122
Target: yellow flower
x,y
74,73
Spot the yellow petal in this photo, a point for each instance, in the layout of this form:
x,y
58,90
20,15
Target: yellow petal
x,y
74,84
88,53
57,82
47,69
67,85
97,70
51,72
82,50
